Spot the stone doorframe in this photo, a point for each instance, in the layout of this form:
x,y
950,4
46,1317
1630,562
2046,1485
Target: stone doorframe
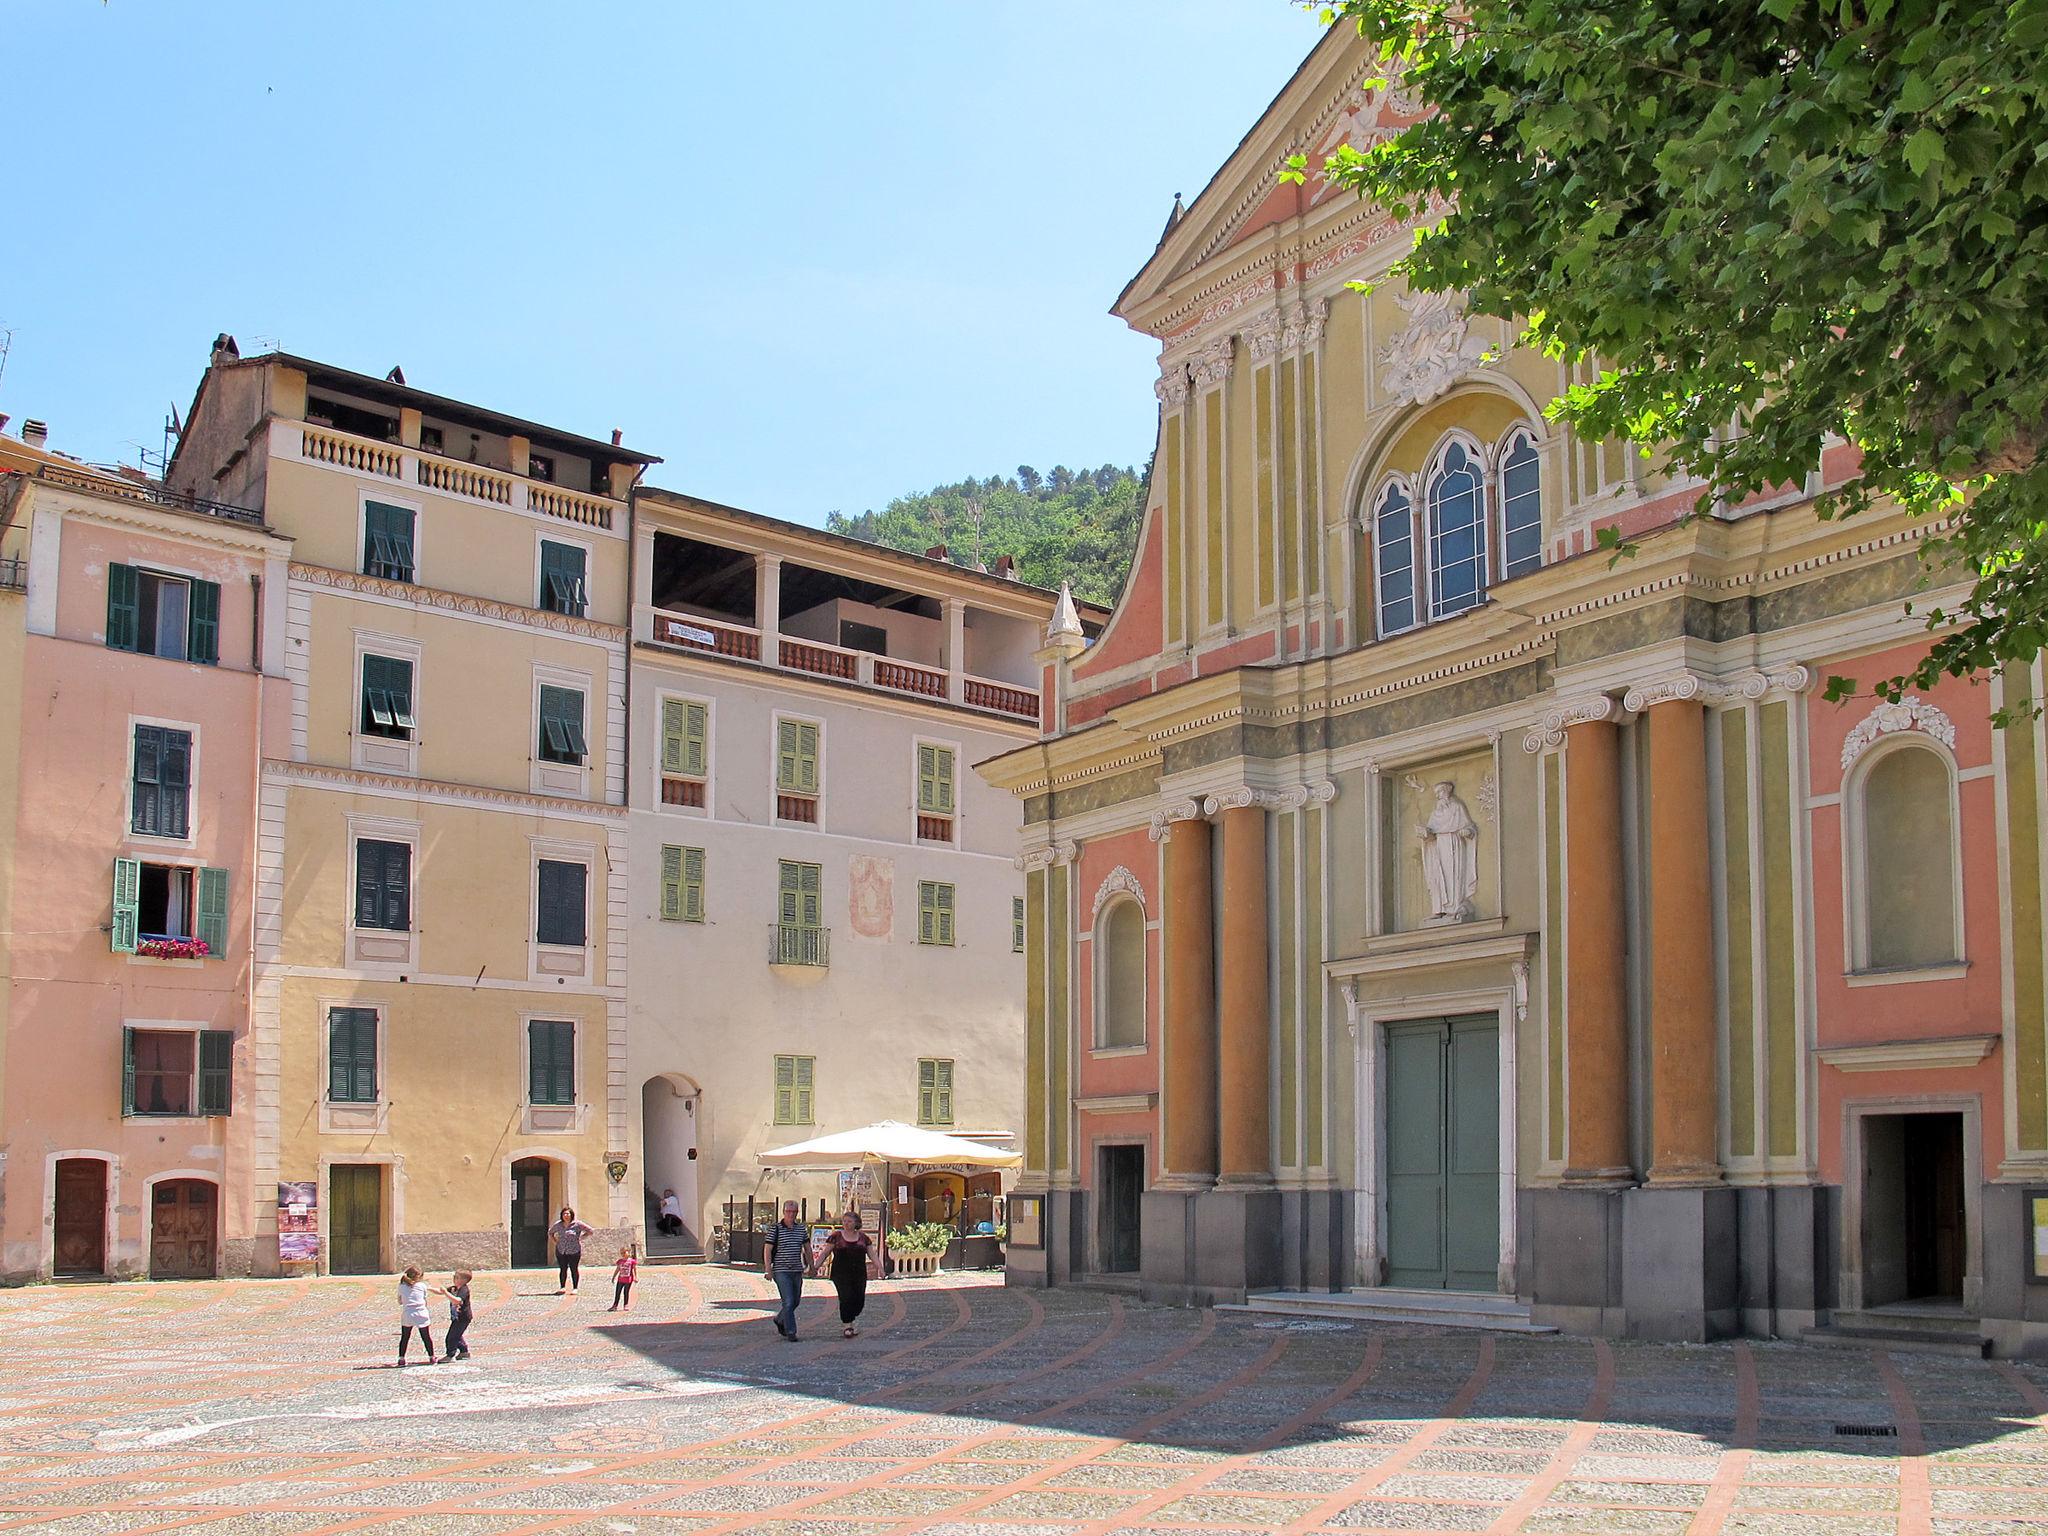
x,y
1368,1018
1854,1113
390,1205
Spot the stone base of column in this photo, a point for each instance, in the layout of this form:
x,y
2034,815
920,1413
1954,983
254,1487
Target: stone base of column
x,y
1681,1264
1788,1234
1569,1247
1684,1176
1201,1248
1315,1247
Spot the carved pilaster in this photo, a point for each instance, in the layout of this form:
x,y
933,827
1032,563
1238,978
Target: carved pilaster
x,y
1161,830
1549,730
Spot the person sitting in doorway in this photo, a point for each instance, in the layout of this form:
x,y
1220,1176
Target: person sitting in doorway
x,y
671,1220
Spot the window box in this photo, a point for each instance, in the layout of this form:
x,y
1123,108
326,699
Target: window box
x,y
172,949
177,911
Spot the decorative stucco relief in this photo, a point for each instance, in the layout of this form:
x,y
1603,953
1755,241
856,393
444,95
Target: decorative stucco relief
x,y
1911,713
1433,351
1119,882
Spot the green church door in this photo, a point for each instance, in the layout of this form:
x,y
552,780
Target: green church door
x,y
1443,1154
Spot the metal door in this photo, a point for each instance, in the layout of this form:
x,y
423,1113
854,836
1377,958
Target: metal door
x,y
355,1219
530,1213
1443,1154
79,1246
181,1230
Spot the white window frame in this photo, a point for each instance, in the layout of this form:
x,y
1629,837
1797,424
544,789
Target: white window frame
x,y
364,496
566,779
1418,603
386,754
775,817
152,841
1855,873
550,536
701,812
959,756
381,951
560,962
1496,483
552,1119
1432,467
344,1119
1099,991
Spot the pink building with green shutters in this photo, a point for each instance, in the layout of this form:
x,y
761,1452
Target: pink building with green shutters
x,y
150,636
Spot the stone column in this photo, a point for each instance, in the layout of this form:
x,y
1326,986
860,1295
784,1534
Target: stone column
x,y
1684,1078
1596,956
1245,1012
768,606
1188,1136
956,648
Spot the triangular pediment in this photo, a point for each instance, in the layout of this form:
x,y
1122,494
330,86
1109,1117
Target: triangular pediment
x,y
1330,99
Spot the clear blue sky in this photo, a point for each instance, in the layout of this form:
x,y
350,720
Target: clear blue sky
x,y
813,260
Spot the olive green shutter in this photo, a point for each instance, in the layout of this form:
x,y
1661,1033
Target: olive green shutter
x,y
127,897
934,912
202,640
789,893
935,780
127,1071
216,1071
811,877
785,1090
944,907
683,732
124,614
1016,925
796,757
671,885
213,910
942,1092
785,756
927,1091
693,885
801,1093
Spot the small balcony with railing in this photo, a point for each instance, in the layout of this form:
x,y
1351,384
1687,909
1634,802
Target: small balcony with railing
x,y
773,613
799,944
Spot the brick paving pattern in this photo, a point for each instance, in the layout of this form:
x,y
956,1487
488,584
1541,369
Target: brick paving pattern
x,y
964,1410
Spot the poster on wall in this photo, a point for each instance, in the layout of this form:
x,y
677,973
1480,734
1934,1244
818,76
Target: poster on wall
x,y
298,1222
2037,1236
1026,1226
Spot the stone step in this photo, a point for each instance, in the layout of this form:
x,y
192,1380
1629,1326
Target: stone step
x,y
1909,1320
674,1258
1415,1308
1916,1341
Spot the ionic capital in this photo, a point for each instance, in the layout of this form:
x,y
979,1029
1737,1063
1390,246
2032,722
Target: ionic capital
x,y
1549,730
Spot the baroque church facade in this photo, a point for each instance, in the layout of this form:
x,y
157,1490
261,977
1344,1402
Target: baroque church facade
x,y
1420,900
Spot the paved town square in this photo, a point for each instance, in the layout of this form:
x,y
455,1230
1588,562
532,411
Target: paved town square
x,y
966,1409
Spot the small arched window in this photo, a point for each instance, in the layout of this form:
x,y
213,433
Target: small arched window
x,y
1394,543
1910,907
1521,512
1457,533
1120,975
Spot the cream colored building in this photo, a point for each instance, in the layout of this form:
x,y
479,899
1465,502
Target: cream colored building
x,y
825,915
439,990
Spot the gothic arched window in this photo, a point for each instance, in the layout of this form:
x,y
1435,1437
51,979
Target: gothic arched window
x,y
1480,520
1521,512
1457,533
1394,545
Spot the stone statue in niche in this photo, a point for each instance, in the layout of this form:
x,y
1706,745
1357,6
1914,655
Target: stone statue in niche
x,y
1450,856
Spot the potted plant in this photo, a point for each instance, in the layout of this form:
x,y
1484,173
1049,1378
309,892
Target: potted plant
x,y
917,1249
173,949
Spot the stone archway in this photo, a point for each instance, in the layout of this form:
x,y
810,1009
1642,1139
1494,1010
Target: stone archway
x,y
671,1106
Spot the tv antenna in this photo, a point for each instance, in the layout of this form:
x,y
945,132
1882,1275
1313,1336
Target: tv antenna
x,y
6,342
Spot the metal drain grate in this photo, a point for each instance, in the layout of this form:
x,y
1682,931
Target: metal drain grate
x,y
1866,1429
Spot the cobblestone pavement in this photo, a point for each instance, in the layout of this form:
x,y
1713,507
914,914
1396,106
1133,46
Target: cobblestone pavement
x,y
963,1409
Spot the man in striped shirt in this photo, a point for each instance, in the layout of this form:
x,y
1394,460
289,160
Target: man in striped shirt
x,y
784,1256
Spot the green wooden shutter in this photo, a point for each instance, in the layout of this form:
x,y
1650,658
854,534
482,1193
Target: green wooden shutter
x,y
785,1090
202,640
813,900
145,811
352,1056
127,1071
551,1061
927,913
789,886
127,897
213,910
927,1091
943,906
807,758
942,1092
1016,925
216,1071
369,885
696,740
786,770
536,1062
175,786
806,1073
935,780
671,885
565,1063
693,885
124,613
675,735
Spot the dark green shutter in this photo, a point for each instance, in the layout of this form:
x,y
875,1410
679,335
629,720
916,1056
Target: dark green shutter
x,y
175,784
124,613
383,885
216,1071
561,903
352,1056
146,808
213,911
127,899
127,1071
550,1061
202,641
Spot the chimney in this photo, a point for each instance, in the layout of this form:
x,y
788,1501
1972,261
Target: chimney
x,y
224,349
936,552
1006,567
617,434
35,433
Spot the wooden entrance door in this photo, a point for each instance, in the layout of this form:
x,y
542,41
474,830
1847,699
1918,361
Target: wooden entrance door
x,y
80,1243
530,1213
355,1219
1123,1181
1443,1154
182,1220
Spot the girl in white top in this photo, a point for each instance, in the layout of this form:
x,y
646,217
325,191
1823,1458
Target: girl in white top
x,y
413,1314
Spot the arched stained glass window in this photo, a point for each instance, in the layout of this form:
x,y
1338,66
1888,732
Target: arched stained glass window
x,y
1394,543
1457,534
1521,513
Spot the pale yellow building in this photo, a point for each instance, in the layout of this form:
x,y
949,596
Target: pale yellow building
x,y
439,1005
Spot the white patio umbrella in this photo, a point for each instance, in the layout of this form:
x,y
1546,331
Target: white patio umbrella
x,y
890,1141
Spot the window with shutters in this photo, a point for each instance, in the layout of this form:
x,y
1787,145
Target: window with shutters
x,y
383,885
935,912
160,787
560,903
564,578
682,885
157,614
351,1055
561,725
800,937
935,792
177,1072
796,1080
169,911
387,541
685,752
1016,925
799,777
550,1061
934,1091
387,697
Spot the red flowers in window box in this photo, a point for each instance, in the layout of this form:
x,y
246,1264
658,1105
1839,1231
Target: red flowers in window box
x,y
173,949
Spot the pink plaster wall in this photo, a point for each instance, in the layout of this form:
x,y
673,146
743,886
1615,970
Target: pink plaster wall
x,y
1098,1077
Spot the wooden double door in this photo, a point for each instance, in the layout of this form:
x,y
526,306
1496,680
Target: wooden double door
x,y
1443,1154
184,1226
355,1219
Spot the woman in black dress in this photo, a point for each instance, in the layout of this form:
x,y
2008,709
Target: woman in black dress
x,y
848,1254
